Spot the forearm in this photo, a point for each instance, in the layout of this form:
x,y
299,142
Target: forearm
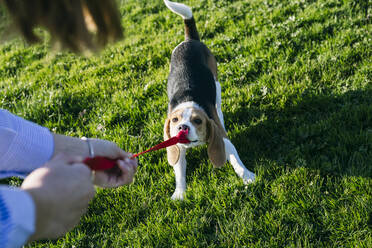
x,y
70,145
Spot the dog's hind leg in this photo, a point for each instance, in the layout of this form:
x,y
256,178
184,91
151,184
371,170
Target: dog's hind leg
x,y
237,164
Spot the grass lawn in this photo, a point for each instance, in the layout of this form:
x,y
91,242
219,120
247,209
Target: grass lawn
x,y
297,99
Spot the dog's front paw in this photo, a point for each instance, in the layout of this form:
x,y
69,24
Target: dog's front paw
x,y
178,194
248,177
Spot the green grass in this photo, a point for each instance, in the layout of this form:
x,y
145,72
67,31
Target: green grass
x,y
297,99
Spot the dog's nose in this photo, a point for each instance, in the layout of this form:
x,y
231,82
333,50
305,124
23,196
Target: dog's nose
x,y
183,127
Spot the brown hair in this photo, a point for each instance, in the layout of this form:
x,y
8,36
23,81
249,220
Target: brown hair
x,y
76,24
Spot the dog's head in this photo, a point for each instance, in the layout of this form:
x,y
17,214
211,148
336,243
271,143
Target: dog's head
x,y
201,129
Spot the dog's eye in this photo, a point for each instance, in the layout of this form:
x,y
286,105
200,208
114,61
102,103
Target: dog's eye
x,y
175,119
197,121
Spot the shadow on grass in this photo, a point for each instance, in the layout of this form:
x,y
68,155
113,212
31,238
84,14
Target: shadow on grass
x,y
329,133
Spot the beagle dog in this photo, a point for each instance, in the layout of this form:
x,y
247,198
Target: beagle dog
x,y
194,95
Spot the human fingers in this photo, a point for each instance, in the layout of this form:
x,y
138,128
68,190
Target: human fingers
x,y
81,169
128,169
70,170
120,175
132,161
84,188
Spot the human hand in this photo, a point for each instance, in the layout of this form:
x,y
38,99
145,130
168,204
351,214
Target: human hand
x,y
121,174
61,191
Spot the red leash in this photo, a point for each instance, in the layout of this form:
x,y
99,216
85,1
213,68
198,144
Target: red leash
x,y
102,163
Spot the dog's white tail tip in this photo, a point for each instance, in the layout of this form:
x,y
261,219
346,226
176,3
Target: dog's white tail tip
x,y
180,9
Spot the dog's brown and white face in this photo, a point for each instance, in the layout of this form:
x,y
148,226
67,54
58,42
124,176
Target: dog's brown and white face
x,y
201,130
194,120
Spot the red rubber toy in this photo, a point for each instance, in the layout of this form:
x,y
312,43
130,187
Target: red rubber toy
x,y
99,163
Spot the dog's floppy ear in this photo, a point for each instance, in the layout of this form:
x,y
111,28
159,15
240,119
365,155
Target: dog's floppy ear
x,y
173,152
216,146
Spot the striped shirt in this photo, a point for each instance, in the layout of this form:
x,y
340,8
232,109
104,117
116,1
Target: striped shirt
x,y
24,147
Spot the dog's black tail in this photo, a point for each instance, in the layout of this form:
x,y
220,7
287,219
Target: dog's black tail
x,y
183,10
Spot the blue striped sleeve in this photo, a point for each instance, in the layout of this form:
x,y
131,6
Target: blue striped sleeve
x,y
17,217
24,146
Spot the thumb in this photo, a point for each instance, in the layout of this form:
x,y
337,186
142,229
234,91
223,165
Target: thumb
x,y
65,159
82,169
